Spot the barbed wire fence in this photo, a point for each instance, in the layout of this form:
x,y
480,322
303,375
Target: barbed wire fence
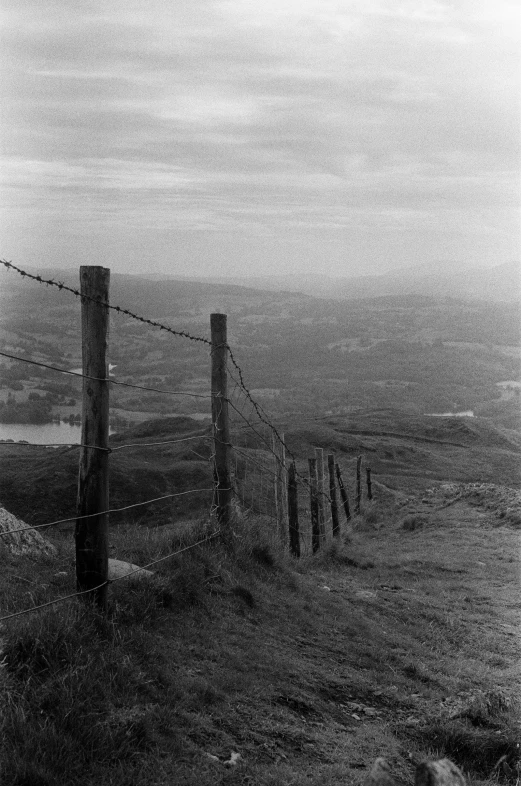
x,y
252,470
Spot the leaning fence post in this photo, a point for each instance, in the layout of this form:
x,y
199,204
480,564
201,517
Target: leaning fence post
x,y
321,496
294,535
369,485
358,484
343,493
313,501
332,495
281,497
93,478
220,421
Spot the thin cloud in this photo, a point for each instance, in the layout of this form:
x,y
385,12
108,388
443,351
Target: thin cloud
x,y
290,113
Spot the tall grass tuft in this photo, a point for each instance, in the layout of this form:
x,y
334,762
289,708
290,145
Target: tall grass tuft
x,y
64,672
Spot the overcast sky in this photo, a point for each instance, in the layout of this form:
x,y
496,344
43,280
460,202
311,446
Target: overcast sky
x,y
260,136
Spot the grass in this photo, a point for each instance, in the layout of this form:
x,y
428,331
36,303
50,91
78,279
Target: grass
x,y
395,642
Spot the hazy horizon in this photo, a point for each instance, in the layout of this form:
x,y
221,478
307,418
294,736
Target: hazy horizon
x,y
231,138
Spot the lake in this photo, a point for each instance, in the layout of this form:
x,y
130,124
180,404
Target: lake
x,y
43,434
56,433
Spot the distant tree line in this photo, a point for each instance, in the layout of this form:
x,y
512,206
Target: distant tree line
x,y
37,409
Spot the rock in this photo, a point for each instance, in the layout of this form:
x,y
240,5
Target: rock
x,y
380,774
438,773
429,773
414,521
233,760
25,542
118,569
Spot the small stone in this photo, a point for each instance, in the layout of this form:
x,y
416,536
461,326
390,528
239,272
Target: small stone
x,y
232,761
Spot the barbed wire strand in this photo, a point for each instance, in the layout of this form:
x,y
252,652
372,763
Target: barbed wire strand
x,y
103,379
110,581
118,309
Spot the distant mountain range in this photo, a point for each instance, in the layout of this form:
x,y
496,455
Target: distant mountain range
x,y
501,283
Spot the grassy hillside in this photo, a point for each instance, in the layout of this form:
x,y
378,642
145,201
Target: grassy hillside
x,y
404,452
399,641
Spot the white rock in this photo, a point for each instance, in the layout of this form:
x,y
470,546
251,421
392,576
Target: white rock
x,y
118,569
26,542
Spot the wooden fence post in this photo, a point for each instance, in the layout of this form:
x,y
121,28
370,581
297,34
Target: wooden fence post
x,y
93,479
313,501
332,495
221,422
294,535
358,484
281,488
369,485
321,495
343,493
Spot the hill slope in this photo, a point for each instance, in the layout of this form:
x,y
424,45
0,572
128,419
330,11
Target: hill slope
x,y
405,453
401,642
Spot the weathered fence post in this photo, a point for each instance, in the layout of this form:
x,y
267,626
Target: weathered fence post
x,y
294,535
93,479
332,495
313,501
358,484
220,421
343,493
369,485
281,497
321,495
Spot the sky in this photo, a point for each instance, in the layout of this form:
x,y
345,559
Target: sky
x,y
259,137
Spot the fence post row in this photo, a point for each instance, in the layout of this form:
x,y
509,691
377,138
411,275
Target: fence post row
x,y
221,421
93,484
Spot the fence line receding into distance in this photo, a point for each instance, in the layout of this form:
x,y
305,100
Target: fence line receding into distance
x,y
254,471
